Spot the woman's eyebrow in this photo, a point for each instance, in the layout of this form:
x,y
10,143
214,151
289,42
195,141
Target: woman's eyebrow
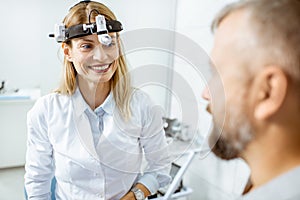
x,y
86,40
113,36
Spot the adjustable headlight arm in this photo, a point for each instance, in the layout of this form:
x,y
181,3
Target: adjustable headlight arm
x,y
101,27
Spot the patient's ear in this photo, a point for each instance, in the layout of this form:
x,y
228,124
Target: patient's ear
x,y
271,89
67,51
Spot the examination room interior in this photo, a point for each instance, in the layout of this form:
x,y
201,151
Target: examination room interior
x,y
31,64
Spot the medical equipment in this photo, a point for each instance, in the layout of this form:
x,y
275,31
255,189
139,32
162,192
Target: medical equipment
x,y
176,189
101,27
176,129
2,87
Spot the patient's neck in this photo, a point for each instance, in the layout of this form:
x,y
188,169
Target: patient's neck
x,y
271,155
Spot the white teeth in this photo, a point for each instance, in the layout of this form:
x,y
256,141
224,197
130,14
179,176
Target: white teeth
x,y
100,67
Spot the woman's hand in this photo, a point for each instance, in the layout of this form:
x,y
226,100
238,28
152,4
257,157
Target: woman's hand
x,y
130,195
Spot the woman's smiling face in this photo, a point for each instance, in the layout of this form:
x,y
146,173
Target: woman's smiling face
x,y
92,60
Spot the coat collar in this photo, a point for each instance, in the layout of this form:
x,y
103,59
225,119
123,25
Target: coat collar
x,y
79,103
82,121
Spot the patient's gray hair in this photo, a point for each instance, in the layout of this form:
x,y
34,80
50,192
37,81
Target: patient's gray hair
x,y
276,23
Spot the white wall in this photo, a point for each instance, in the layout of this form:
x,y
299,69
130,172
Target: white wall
x,y
28,57
193,21
20,43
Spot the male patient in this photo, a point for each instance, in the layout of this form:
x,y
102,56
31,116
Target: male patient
x,y
256,58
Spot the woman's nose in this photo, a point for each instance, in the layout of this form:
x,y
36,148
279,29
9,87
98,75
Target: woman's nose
x,y
99,53
206,94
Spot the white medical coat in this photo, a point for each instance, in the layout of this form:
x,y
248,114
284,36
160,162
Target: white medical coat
x,y
60,144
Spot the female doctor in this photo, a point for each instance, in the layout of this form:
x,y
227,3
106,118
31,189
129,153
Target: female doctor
x,y
92,133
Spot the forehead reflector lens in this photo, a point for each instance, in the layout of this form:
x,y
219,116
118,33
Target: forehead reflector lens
x,y
105,39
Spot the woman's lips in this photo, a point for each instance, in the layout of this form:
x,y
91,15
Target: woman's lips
x,y
100,68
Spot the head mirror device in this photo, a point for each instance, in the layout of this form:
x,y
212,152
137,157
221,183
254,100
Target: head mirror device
x,y
101,27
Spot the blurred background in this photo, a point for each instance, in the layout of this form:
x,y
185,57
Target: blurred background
x,y
31,64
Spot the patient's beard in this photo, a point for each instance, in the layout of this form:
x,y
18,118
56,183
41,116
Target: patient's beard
x,y
229,141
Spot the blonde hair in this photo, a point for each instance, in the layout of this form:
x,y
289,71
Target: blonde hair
x,y
120,82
